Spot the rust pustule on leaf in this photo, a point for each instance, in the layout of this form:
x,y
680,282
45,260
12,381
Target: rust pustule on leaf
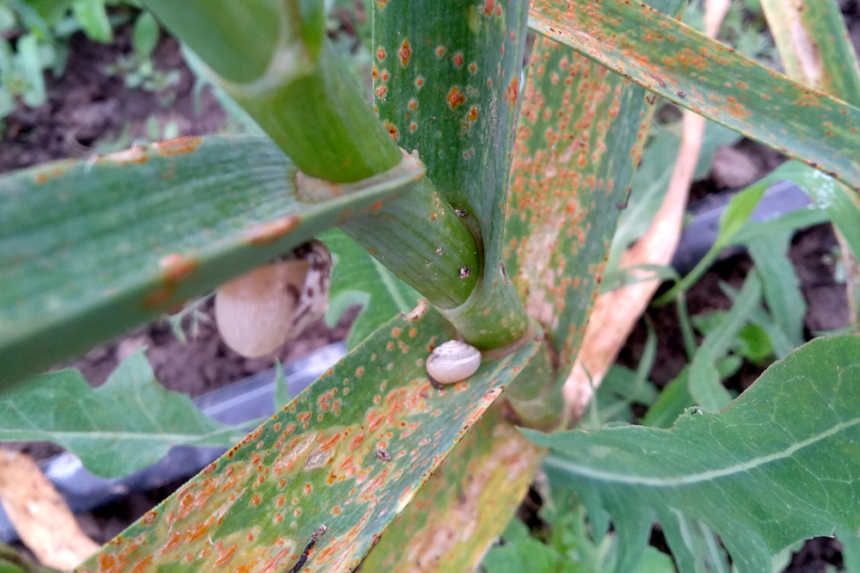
x,y
267,233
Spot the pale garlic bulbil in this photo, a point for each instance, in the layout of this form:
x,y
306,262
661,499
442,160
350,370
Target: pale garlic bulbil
x,y
452,361
271,305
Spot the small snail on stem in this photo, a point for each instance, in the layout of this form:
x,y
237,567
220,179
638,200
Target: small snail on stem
x,y
452,362
261,310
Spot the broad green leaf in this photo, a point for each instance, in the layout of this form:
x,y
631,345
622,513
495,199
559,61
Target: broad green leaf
x,y
706,387
710,79
778,465
349,453
850,549
464,505
780,283
89,249
93,18
128,423
358,278
28,62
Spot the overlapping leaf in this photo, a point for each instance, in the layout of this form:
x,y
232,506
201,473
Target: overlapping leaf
x,y
89,249
349,453
460,510
709,78
778,465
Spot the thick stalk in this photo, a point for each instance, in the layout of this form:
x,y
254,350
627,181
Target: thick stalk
x,y
292,83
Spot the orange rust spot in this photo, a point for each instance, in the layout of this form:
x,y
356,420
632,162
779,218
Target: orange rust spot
x,y
395,332
455,98
440,51
224,555
392,130
458,60
374,72
41,178
177,146
278,518
159,296
266,233
488,7
381,91
473,114
413,126
308,488
512,91
142,565
336,510
381,54
405,52
473,68
176,267
385,75
255,501
419,82
413,104
150,517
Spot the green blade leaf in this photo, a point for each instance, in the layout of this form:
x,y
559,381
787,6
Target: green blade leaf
x,y
780,283
126,424
358,278
349,453
90,249
93,18
786,450
693,71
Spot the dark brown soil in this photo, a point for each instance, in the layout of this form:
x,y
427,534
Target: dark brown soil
x,y
86,107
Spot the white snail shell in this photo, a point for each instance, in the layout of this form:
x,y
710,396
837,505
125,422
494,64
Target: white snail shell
x,y
261,310
453,361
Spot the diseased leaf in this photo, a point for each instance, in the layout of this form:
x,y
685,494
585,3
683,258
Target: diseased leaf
x,y
91,248
465,503
778,465
128,423
358,278
708,78
349,453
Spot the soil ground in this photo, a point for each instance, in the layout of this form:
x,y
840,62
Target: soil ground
x,y
86,108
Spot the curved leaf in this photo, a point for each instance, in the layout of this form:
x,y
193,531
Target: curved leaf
x,y
708,78
126,424
778,465
90,249
349,453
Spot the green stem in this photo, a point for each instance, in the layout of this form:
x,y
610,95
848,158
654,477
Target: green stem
x,y
297,89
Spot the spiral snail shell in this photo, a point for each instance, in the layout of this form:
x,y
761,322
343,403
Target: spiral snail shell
x,y
452,361
261,310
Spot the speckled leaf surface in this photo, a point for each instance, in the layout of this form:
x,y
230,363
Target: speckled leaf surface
x,y
358,278
465,504
89,249
581,131
778,465
709,78
349,453
447,84
126,424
